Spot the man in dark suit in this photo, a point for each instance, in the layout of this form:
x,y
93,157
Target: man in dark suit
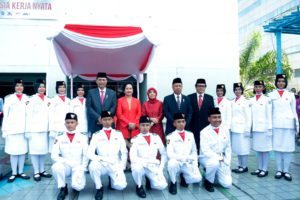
x,y
99,99
176,103
201,103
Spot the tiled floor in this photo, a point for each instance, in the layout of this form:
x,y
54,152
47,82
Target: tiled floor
x,y
244,186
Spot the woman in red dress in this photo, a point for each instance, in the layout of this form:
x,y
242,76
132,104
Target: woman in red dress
x,y
128,113
153,108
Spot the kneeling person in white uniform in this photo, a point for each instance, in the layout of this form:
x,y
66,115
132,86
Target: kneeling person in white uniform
x,y
143,156
215,152
182,154
69,154
109,154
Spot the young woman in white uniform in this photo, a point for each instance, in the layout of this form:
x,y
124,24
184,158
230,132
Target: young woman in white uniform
x,y
240,128
59,107
79,108
37,129
224,105
261,111
13,130
285,126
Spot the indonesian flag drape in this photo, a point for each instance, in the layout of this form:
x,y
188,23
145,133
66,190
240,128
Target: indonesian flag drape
x,y
85,50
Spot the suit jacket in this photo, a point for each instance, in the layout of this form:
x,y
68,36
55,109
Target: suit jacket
x,y
94,107
200,116
170,107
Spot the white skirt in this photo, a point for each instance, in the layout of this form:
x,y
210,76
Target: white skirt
x,y
38,143
262,141
16,144
284,139
240,145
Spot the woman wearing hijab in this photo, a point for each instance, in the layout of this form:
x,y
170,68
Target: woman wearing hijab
x,y
153,108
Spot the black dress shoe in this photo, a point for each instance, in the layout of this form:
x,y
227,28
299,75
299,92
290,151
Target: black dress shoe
x,y
237,169
37,177
62,193
140,192
262,174
45,174
278,175
23,176
173,188
75,194
148,184
99,194
182,181
12,178
1,177
256,172
242,170
287,176
208,186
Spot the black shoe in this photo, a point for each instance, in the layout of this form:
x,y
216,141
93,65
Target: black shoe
x,y
75,194
148,184
173,188
208,186
256,172
140,192
99,194
1,177
287,176
37,177
278,175
45,174
62,193
182,181
236,170
262,174
12,178
23,176
109,184
241,170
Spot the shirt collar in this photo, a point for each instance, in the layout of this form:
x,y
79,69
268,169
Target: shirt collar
x,y
104,89
175,95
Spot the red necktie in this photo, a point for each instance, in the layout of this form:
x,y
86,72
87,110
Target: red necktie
x,y
19,96
102,96
70,136
258,96
107,132
42,96
216,130
182,135
200,101
280,92
219,100
147,138
237,98
62,98
81,99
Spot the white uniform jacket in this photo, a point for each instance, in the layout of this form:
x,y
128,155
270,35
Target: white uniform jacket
x,y
14,115
143,153
213,145
108,150
261,112
80,109
225,109
37,115
284,110
57,113
71,153
240,116
181,150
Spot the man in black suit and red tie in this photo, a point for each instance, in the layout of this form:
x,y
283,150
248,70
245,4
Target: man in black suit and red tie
x,y
176,103
201,103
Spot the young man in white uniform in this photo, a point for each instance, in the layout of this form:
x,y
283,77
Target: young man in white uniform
x,y
215,152
108,155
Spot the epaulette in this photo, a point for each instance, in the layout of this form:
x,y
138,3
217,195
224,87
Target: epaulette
x,y
155,134
83,133
60,134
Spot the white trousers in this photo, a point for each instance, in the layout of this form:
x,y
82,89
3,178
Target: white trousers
x,y
61,171
153,173
217,171
190,172
115,172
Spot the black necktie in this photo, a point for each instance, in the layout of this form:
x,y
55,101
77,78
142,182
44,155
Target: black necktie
x,y
178,102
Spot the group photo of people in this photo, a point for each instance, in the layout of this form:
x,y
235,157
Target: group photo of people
x,y
164,144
